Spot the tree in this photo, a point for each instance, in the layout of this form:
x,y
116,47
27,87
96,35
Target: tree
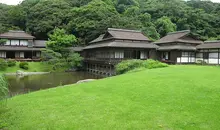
x,y
60,41
164,25
87,21
46,15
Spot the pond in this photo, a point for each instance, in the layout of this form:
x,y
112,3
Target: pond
x,y
26,84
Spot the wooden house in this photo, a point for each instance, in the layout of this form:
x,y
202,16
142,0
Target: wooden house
x,y
20,46
209,52
103,53
178,47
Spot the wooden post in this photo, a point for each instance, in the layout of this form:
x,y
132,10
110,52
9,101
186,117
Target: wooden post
x,y
218,55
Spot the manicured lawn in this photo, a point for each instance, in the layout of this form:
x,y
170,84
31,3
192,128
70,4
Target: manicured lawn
x,y
173,98
33,67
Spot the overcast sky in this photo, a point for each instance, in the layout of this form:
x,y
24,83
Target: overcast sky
x,y
15,2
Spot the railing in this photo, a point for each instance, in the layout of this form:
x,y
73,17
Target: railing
x,y
106,60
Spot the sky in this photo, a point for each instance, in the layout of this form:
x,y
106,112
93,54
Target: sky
x,y
15,2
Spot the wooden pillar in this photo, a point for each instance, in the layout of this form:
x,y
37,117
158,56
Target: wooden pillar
x,y
218,55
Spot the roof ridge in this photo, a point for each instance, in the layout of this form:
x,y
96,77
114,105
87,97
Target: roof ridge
x,y
124,30
213,41
178,32
17,31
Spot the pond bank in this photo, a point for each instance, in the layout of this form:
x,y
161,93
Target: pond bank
x,y
26,73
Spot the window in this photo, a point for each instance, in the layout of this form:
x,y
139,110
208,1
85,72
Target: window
x,y
213,55
205,55
128,54
14,42
185,54
23,42
2,54
8,42
165,55
144,54
119,54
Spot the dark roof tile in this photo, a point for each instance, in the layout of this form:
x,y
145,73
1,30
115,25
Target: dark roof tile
x,y
16,35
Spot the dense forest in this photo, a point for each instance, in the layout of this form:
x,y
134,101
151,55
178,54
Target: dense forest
x,y
87,19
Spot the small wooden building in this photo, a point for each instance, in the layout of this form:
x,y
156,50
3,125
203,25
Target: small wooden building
x,y
178,47
21,46
114,46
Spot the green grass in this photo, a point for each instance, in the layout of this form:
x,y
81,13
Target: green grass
x,y
33,67
173,98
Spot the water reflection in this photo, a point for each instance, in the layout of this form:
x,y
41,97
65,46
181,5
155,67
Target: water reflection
x,y
21,85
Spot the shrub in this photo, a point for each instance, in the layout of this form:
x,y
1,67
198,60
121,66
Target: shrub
x,y
24,65
137,65
150,64
3,64
128,65
201,62
11,62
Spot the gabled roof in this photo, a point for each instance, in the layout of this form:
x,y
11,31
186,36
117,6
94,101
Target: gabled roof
x,y
121,34
12,34
127,34
179,37
209,45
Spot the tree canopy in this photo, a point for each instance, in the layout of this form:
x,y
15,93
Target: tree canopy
x,y
87,19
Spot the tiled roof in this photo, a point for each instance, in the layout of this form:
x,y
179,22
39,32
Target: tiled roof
x,y
127,34
209,45
39,43
176,47
121,34
122,44
16,35
18,48
178,37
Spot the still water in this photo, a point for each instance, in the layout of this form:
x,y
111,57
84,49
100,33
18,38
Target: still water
x,y
26,84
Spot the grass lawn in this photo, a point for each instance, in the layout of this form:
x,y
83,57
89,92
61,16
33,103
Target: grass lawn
x,y
173,98
33,67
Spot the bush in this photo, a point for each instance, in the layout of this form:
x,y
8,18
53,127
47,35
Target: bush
x,y
150,64
128,65
201,62
11,63
138,65
24,65
3,64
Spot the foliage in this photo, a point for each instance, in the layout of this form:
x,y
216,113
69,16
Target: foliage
x,y
150,64
128,65
74,60
164,25
48,54
137,65
3,87
3,64
57,61
11,62
3,41
59,41
24,65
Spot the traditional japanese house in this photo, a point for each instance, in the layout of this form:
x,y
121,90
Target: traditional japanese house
x,y
209,52
114,46
178,47
20,46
